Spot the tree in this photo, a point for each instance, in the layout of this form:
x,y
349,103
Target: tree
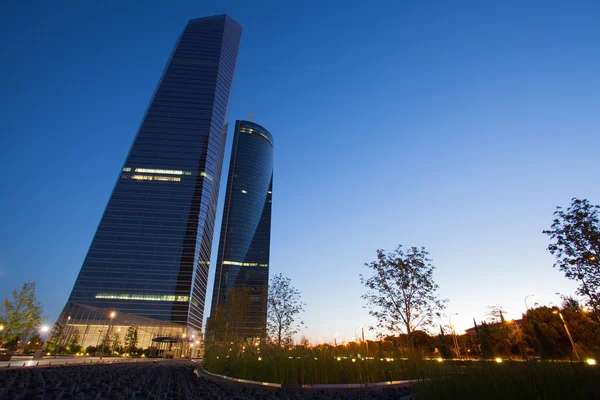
x,y
131,339
495,314
484,334
402,294
575,234
74,338
283,306
115,343
445,351
21,316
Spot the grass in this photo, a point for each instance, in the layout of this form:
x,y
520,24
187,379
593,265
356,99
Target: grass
x,y
437,380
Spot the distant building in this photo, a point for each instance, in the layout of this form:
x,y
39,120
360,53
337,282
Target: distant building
x,y
243,258
149,259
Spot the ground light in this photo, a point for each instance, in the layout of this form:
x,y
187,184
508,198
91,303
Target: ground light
x,y
440,359
590,361
498,360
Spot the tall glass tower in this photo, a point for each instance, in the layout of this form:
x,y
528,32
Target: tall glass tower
x,y
243,259
147,266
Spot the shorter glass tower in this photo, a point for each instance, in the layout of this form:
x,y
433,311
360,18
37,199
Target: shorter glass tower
x,y
243,258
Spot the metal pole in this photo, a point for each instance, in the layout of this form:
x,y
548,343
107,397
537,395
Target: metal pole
x,y
454,340
526,297
569,335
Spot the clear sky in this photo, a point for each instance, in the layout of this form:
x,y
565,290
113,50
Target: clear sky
x,y
458,127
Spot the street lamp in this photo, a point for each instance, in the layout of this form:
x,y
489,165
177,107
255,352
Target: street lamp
x,y
526,297
454,339
568,333
43,331
362,331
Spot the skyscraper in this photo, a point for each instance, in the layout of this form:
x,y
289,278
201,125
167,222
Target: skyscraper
x,y
243,258
149,259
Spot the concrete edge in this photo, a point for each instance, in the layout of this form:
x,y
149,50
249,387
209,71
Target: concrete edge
x,y
334,386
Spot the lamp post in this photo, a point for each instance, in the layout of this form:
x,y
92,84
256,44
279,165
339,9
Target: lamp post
x,y
526,297
363,334
568,333
112,316
454,339
43,330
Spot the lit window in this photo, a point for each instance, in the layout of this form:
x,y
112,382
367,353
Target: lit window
x,y
245,264
269,192
142,177
126,169
141,296
206,175
167,178
159,171
243,191
156,178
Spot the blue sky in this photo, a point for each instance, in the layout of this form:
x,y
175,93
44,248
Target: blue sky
x,y
458,127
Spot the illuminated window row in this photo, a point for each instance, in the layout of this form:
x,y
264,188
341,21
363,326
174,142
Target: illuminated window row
x,y
168,172
252,131
161,171
156,178
241,264
135,296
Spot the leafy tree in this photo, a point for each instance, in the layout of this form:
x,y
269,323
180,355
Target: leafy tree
x,y
445,350
131,339
575,234
21,315
74,339
402,294
483,335
116,342
56,338
284,304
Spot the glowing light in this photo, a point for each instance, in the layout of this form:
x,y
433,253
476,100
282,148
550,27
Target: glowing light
x,y
354,360
440,359
498,360
243,191
155,178
126,169
244,264
136,296
113,314
259,358
159,171
339,359
590,361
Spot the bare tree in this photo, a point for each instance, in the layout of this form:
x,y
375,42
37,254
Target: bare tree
x,y
402,294
284,305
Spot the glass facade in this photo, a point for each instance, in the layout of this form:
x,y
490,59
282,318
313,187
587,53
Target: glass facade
x,y
243,258
150,255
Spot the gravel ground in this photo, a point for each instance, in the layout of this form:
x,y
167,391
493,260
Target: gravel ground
x,y
161,380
